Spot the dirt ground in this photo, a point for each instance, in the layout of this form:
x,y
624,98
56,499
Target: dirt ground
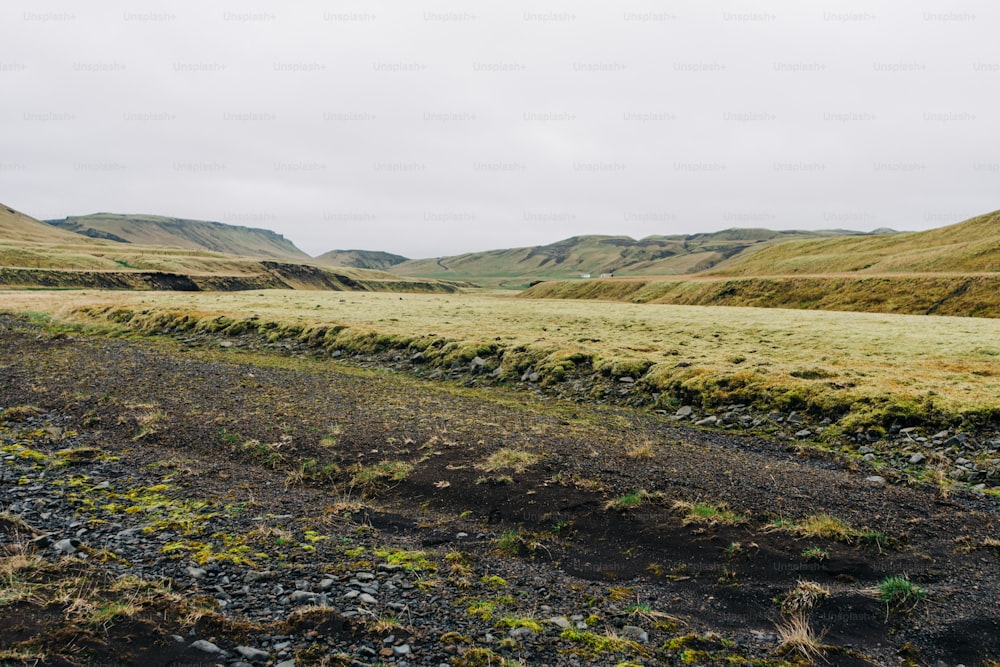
x,y
600,502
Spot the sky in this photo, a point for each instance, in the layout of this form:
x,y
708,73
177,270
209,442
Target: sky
x,y
433,128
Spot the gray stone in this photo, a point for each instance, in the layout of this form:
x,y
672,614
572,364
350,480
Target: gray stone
x,y
684,411
877,480
196,572
477,364
286,663
206,646
253,654
804,433
560,621
636,633
517,633
626,379
917,458
955,441
67,546
402,649
303,597
795,418
327,584
707,421
365,598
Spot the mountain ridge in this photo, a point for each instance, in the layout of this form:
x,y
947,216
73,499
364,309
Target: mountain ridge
x,y
592,255
165,231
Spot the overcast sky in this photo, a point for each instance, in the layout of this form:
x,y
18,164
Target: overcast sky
x,y
433,128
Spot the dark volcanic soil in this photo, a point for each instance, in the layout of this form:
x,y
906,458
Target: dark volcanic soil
x,y
296,446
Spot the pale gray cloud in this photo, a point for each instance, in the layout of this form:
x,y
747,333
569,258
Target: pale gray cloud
x,y
434,128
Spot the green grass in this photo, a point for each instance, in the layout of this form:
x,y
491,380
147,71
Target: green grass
x,y
708,513
899,593
630,500
866,369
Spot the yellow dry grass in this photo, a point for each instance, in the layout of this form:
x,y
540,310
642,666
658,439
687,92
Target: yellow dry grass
x,y
862,360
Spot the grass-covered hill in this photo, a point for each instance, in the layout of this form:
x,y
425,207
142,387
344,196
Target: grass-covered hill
x,y
159,231
953,270
972,246
35,254
360,259
596,255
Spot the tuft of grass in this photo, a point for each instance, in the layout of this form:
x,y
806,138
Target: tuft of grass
x,y
708,513
386,471
630,500
815,554
510,543
899,593
797,636
507,458
514,622
803,597
600,643
640,450
411,561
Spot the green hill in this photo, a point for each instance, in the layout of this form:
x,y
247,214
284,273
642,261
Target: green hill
x,y
594,256
953,270
972,246
159,231
360,259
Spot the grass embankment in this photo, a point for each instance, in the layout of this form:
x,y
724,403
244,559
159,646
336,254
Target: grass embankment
x,y
862,368
926,294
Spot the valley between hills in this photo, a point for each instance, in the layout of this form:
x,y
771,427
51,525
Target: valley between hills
x,y
788,457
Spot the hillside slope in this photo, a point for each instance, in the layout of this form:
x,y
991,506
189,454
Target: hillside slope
x,y
972,246
15,225
159,231
596,255
360,259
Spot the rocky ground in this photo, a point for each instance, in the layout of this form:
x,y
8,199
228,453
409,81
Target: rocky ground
x,y
195,502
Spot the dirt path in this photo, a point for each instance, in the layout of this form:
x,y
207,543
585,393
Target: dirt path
x,y
595,501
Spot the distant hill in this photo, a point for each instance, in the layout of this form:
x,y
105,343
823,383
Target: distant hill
x,y
596,255
360,259
966,247
953,270
159,231
36,254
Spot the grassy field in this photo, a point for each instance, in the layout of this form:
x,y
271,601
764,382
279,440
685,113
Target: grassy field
x,y
862,368
963,295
